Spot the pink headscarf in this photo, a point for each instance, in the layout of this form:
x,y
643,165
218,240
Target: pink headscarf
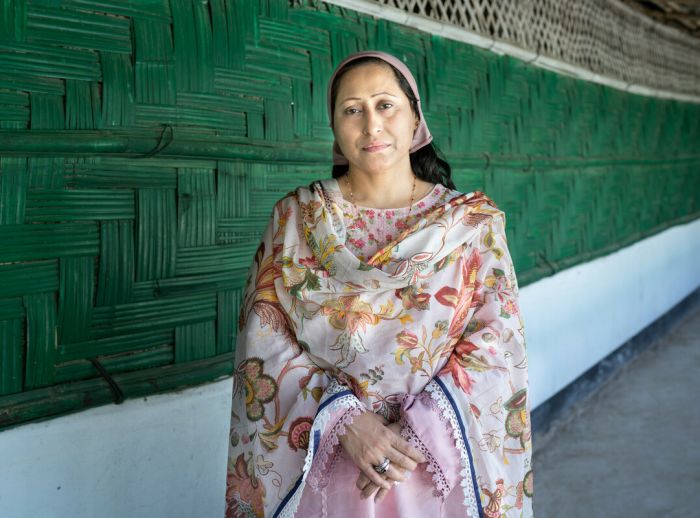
x,y
421,136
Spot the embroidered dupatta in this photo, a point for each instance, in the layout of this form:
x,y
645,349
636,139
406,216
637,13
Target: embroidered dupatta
x,y
323,336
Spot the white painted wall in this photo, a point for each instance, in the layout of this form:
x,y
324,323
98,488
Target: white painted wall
x,y
165,456
161,456
578,316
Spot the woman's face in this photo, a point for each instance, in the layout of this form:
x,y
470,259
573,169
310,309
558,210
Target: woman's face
x,y
373,122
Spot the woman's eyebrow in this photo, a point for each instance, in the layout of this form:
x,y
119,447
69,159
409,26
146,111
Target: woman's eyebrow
x,y
373,95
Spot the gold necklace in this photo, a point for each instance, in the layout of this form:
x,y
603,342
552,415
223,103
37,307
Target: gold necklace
x,y
352,198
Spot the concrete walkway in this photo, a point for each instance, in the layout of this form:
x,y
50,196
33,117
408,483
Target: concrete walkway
x,y
631,450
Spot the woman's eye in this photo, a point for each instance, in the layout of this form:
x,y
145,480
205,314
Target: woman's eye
x,y
383,106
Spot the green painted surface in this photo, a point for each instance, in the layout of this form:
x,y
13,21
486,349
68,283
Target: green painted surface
x,y
142,147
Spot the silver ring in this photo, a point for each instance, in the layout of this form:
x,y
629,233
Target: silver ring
x,y
383,467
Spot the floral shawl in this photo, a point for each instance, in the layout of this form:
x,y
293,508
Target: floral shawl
x,y
323,336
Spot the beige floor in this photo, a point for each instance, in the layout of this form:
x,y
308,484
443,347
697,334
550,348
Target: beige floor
x,y
632,449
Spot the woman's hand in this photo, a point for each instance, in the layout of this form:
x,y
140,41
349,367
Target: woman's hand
x,y
366,486
367,441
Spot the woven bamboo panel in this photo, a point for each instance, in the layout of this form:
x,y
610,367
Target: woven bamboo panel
x,y
143,145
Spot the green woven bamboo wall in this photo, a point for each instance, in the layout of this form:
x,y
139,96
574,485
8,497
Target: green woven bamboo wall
x,y
143,144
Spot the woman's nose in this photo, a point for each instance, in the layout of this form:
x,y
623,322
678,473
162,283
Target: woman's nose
x,y
373,122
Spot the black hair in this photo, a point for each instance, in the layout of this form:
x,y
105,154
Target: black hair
x,y
427,163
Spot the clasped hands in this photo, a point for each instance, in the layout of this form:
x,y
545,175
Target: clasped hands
x,y
367,441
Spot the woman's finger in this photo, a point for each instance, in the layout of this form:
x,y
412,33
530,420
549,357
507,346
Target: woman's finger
x,y
369,490
394,474
400,460
406,448
380,495
362,481
375,477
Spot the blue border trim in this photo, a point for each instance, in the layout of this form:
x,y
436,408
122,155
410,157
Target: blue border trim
x,y
455,408
321,407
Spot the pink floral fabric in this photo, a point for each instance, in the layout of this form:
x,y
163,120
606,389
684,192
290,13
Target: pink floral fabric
x,y
417,320
369,229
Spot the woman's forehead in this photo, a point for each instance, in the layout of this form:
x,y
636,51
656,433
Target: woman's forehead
x,y
367,80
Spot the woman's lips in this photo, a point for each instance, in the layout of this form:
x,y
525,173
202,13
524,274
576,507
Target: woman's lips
x,y
375,147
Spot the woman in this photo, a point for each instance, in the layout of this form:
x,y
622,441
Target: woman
x,y
380,364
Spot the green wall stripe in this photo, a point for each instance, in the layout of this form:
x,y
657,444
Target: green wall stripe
x,y
115,363
17,279
117,90
76,298
52,24
156,234
13,190
112,345
11,308
46,61
11,355
86,204
196,208
158,314
116,263
41,340
228,308
195,341
51,240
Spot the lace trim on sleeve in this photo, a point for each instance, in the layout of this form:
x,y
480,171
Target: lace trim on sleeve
x,y
442,487
448,413
322,421
323,466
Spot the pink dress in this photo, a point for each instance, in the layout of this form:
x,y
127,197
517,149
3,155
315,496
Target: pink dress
x,y
433,487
